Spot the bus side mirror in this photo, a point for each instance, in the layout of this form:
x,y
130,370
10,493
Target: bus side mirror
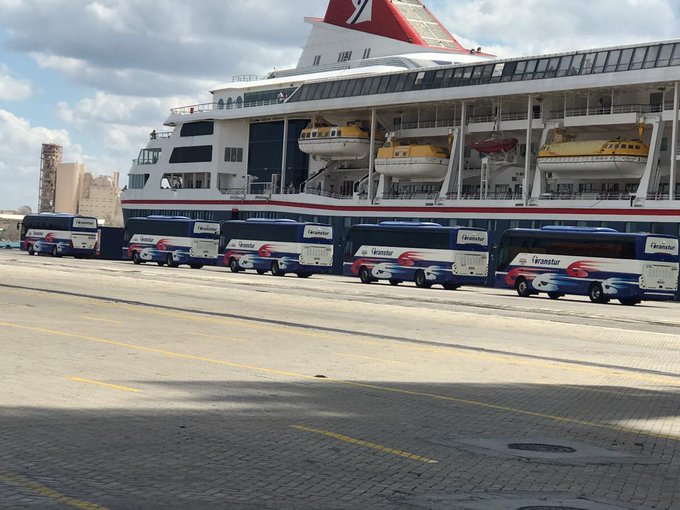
x,y
18,226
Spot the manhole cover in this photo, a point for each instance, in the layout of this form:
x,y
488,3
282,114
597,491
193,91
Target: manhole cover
x,y
543,507
544,448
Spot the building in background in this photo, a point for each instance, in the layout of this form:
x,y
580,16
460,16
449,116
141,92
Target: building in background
x,y
69,188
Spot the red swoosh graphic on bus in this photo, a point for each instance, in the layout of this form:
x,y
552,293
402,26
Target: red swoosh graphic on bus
x,y
361,262
409,258
582,268
49,238
132,248
265,250
527,272
162,244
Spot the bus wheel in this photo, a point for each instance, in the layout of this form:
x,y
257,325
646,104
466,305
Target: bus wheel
x,y
596,294
233,265
261,271
303,275
136,258
365,275
554,295
522,287
160,263
55,251
170,261
629,301
31,250
450,286
276,270
394,281
421,281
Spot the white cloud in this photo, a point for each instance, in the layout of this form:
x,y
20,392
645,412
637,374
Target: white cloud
x,y
11,88
20,158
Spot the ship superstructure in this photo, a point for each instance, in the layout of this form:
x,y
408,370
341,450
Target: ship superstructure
x,y
394,74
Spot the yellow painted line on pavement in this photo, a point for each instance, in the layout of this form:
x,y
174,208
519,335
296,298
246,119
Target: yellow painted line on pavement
x,y
367,444
517,359
369,358
100,319
48,492
387,389
106,385
218,337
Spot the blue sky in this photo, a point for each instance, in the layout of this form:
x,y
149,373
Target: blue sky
x,y
97,75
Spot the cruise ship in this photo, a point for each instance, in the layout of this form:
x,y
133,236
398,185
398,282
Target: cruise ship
x,y
388,117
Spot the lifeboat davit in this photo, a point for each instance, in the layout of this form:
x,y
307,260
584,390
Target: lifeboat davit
x,y
335,142
494,145
594,159
413,162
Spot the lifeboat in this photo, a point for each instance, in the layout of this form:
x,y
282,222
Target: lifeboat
x,y
594,159
494,145
413,162
335,142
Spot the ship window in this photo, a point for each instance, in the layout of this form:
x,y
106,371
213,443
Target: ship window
x,y
638,58
563,66
650,58
508,70
612,61
600,60
326,90
317,60
342,89
624,61
381,85
575,66
367,53
334,89
529,71
197,154
675,60
333,133
318,87
375,83
197,129
519,70
314,134
233,154
365,86
401,83
391,84
588,63
540,68
487,71
664,55
339,132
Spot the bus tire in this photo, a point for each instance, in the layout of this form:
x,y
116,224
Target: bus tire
x,y
554,295
450,286
629,301
276,270
303,275
394,281
261,271
365,275
31,250
170,261
136,258
233,265
421,281
596,294
522,287
160,263
55,251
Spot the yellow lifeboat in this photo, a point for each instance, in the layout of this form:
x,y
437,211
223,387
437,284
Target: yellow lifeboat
x,y
335,142
594,159
412,162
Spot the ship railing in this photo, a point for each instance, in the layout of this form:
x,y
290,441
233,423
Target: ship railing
x,y
410,196
328,194
210,107
489,196
591,196
429,124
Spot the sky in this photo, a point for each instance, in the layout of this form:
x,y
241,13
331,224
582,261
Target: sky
x,y
97,76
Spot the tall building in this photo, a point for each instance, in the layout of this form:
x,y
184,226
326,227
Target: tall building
x,y
50,158
67,193
100,197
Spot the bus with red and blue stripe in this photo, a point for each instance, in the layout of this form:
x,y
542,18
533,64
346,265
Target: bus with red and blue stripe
x,y
279,246
59,234
600,263
424,253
